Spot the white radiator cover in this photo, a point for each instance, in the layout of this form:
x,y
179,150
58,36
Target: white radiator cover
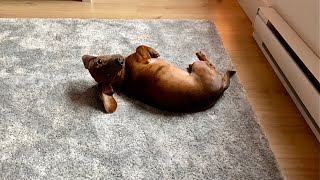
x,y
296,65
303,16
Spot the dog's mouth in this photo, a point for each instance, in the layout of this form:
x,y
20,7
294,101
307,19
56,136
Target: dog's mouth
x,y
107,73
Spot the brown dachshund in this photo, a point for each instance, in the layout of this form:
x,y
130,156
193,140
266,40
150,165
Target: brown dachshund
x,y
144,76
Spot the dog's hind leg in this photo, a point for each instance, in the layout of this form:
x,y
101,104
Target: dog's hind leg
x,y
203,57
226,79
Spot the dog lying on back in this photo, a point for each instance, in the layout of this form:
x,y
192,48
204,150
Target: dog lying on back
x,y
144,76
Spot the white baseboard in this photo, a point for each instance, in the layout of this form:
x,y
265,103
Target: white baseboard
x,y
293,61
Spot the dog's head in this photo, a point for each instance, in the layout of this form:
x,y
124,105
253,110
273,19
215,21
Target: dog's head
x,y
104,69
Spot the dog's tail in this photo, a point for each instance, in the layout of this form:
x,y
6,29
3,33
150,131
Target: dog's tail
x,y
226,79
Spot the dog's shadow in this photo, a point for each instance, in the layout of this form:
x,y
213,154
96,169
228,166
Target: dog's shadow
x,y
142,107
84,94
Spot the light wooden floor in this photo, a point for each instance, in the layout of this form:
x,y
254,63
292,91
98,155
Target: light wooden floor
x,y
293,143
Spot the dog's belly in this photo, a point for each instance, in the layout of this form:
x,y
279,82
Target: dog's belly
x,y
163,85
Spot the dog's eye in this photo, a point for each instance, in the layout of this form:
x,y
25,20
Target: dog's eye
x,y
99,61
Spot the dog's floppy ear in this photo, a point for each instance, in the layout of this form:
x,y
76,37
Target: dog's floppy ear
x,y
109,103
86,60
106,89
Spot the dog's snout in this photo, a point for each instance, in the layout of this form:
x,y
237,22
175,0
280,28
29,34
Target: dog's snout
x,y
120,60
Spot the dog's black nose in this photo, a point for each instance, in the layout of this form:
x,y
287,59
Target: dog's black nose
x,y
120,60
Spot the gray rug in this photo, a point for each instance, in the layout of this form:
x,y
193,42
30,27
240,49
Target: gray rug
x,y
52,124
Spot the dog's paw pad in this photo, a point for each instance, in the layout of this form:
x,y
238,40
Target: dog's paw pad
x,y
154,54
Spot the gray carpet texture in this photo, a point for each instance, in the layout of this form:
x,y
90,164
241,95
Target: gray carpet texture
x,y
53,126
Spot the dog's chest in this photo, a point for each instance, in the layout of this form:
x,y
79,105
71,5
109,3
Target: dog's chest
x,y
152,60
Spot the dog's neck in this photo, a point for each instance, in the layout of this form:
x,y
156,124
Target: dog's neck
x,y
118,82
119,79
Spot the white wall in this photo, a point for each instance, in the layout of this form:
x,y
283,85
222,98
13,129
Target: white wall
x,y
303,17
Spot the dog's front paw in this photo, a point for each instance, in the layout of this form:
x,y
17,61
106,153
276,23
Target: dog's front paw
x,y
189,69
